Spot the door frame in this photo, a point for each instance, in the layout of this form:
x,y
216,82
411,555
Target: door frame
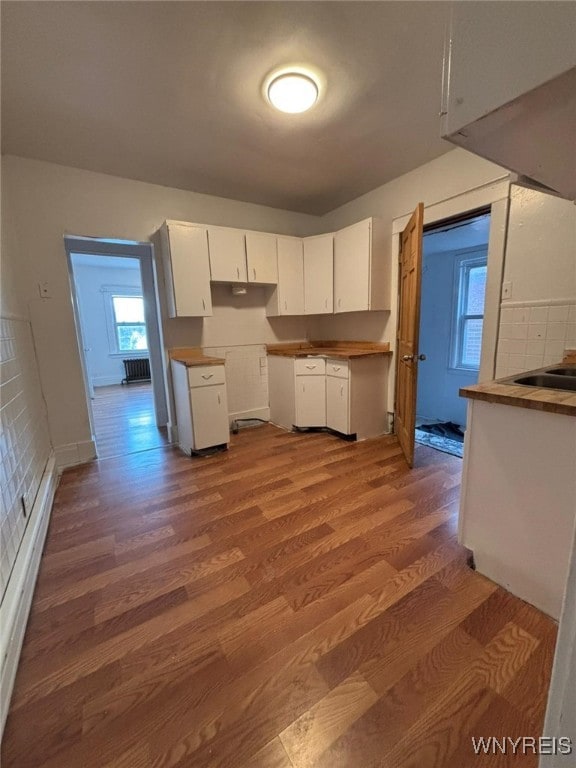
x,y
495,195
144,252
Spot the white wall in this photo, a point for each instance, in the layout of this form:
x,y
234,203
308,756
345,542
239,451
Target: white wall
x,y
104,367
47,201
438,382
538,320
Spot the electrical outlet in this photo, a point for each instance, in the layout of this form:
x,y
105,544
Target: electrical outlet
x,y
507,290
44,291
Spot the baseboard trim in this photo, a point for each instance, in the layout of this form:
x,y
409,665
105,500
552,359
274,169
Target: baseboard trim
x,y
20,589
71,454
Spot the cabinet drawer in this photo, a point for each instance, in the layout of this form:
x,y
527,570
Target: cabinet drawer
x,y
338,368
310,366
204,375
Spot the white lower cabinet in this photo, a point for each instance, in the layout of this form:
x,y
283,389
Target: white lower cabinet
x,y
310,392
337,404
348,396
201,406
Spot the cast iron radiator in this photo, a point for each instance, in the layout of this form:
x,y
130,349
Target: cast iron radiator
x,y
137,369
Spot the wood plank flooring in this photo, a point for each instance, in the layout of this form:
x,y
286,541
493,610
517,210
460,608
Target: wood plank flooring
x,y
297,602
124,420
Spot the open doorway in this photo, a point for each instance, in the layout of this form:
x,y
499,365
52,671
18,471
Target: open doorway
x,y
119,341
454,272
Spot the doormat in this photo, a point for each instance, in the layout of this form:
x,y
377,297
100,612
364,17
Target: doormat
x,y
446,437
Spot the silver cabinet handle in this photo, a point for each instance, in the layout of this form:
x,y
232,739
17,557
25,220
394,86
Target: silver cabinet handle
x,y
339,302
325,303
285,305
336,367
254,272
303,387
310,367
203,304
238,272
219,401
342,391
207,375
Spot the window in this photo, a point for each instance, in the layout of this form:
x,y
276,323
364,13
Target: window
x,y
125,320
467,335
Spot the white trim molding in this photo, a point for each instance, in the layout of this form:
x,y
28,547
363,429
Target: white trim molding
x,y
20,589
71,454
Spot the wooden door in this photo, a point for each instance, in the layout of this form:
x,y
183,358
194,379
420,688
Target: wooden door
x,y
410,274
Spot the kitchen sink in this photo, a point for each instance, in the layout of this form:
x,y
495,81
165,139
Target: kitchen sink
x,y
546,380
562,371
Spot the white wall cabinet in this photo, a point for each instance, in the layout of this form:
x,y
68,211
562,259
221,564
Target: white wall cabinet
x,y
319,274
201,406
227,255
261,259
288,298
310,392
186,269
510,87
348,396
361,268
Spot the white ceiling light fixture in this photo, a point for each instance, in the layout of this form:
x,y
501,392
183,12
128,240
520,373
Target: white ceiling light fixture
x,y
292,90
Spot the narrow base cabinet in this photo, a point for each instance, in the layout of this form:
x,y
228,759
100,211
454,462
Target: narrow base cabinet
x,y
347,396
201,406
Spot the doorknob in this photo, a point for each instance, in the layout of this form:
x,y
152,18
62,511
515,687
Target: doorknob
x,y
411,358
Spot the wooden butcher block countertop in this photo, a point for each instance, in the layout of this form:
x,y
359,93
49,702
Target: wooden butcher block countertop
x,y
340,350
192,356
536,398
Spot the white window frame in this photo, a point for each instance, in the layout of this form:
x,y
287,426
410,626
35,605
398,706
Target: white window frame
x,y
463,264
109,292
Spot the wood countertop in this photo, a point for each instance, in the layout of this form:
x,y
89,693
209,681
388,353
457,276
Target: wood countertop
x,y
340,350
561,401
192,356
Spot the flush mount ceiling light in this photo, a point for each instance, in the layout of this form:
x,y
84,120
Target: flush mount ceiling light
x,y
292,91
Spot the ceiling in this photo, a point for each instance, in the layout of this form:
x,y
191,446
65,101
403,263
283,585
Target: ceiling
x,y
170,93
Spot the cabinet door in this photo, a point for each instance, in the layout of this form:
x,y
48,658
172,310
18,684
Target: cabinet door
x,y
227,255
209,416
319,275
310,401
261,258
352,268
290,276
187,271
337,409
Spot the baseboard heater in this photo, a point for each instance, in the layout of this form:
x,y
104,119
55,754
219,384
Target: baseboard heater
x,y
136,369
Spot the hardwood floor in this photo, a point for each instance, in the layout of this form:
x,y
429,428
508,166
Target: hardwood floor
x,y
124,420
298,601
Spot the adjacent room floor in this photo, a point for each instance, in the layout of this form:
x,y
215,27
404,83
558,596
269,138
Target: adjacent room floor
x,y
124,420
298,601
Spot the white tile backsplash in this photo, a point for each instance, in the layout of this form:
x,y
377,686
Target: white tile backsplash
x,y
24,442
533,336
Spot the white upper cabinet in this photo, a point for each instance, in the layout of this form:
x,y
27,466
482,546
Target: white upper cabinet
x,y
288,298
227,255
186,269
510,87
261,258
361,268
319,274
